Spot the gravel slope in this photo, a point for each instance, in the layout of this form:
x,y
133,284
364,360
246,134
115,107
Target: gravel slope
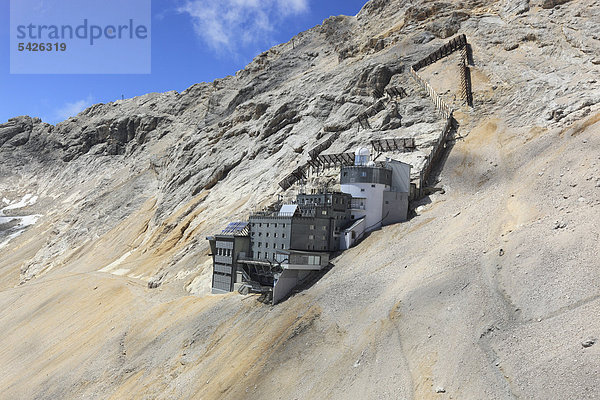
x,y
490,291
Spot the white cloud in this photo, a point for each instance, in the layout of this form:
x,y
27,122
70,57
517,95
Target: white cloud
x,y
229,26
72,109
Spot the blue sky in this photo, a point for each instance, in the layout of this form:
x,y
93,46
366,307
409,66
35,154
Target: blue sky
x,y
192,41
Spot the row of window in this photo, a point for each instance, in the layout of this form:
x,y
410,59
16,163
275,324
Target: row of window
x,y
267,234
260,224
224,252
266,256
312,237
310,212
312,227
275,234
259,244
312,247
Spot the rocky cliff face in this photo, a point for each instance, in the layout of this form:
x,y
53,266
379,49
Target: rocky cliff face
x,y
488,292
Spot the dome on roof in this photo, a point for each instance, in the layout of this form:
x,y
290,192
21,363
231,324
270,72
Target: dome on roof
x,y
361,156
362,151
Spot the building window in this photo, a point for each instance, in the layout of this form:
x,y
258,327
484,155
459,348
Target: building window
x,y
267,234
283,235
362,190
372,185
283,246
324,212
363,174
324,227
314,260
258,255
259,233
266,245
311,237
228,252
312,227
267,224
352,216
323,239
284,225
387,202
253,233
259,244
259,224
275,225
275,234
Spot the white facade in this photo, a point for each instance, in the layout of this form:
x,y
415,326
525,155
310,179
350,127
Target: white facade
x,y
379,194
372,193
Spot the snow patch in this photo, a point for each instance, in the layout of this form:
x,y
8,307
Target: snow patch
x,y
19,229
27,200
24,221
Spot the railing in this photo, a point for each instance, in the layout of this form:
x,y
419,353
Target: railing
x,y
271,215
318,149
457,43
444,109
435,152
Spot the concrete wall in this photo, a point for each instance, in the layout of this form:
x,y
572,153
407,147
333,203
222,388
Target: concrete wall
x,y
352,234
313,234
395,207
284,284
400,176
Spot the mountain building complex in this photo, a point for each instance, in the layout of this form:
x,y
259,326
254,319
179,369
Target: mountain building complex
x,y
278,249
